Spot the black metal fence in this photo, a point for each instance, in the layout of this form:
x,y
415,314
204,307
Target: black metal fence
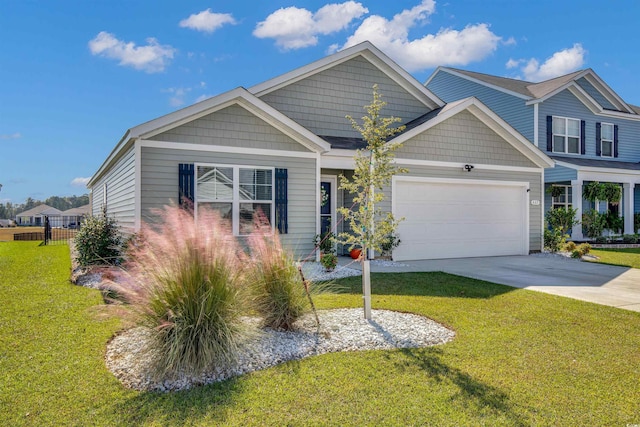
x,y
51,235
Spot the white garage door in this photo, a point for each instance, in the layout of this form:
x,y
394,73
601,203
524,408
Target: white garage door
x,y
460,218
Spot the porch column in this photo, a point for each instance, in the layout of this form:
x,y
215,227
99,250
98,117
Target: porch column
x,y
627,197
576,202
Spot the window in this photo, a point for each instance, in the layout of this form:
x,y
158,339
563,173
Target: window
x,y
606,140
566,135
563,200
237,193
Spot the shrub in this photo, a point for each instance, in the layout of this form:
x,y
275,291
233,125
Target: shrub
x,y
570,246
391,242
593,223
630,238
98,241
562,219
554,239
584,248
601,239
329,261
278,292
325,242
613,222
185,286
576,253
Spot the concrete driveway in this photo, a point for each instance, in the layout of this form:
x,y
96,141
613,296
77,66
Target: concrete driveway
x,y
598,283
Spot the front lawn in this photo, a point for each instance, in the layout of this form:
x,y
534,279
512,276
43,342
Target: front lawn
x,y
519,358
627,257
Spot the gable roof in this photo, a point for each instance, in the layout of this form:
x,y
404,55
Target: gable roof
x,y
239,96
489,118
596,164
80,210
369,52
538,92
40,210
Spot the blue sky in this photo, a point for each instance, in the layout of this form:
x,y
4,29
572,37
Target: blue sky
x,y
75,75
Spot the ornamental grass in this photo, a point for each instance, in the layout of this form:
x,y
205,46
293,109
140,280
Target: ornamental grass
x,y
185,286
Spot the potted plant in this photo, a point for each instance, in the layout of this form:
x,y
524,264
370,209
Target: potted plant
x,y
355,253
329,261
325,242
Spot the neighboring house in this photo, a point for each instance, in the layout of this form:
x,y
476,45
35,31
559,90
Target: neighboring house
x,y
35,216
590,132
473,189
72,218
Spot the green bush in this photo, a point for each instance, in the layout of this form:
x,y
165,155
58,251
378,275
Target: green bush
x,y
325,242
99,241
630,238
329,261
570,246
554,240
562,219
185,286
593,223
584,248
601,240
273,279
613,222
576,253
391,242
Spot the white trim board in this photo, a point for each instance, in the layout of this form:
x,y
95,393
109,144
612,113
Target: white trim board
x,y
148,143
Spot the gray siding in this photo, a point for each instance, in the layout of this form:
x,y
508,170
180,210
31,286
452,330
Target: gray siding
x,y
533,178
595,94
565,104
463,138
160,186
320,102
232,126
510,108
559,174
120,182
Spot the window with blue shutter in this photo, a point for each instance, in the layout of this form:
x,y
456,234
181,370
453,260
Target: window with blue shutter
x,y
615,141
583,139
281,200
186,184
549,133
598,139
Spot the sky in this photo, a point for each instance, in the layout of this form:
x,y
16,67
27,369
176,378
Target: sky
x,y
75,75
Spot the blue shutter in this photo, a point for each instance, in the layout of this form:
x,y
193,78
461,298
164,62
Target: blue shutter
x,y
186,184
281,201
549,133
598,139
583,139
615,141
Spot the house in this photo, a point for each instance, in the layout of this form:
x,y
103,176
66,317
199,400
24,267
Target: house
x,y
72,218
474,186
35,216
590,132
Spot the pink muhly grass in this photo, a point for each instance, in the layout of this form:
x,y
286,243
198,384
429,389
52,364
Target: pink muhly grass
x,y
274,281
185,284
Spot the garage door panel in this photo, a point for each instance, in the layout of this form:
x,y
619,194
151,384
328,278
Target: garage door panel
x,y
448,220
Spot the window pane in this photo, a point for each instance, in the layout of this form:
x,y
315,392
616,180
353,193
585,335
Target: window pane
x,y
607,148
247,213
573,127
215,183
558,126
607,132
224,210
558,144
574,145
255,184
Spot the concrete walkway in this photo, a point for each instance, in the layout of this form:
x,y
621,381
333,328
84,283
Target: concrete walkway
x,y
593,282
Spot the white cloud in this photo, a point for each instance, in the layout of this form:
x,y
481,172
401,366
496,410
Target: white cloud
x,y
295,28
560,63
513,63
207,21
203,97
80,181
510,42
15,135
178,95
446,47
152,58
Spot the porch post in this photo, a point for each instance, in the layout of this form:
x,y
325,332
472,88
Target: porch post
x,y
576,202
627,197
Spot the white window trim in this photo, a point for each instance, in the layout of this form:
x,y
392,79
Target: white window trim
x,y
567,203
611,140
566,136
235,203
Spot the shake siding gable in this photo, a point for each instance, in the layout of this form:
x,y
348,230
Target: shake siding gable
x,y
463,138
510,108
321,101
232,126
565,104
120,182
159,186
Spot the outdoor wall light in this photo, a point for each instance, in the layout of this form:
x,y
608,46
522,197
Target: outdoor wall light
x,y
468,168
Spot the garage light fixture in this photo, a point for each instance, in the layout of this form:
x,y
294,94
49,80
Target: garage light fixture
x,y
468,168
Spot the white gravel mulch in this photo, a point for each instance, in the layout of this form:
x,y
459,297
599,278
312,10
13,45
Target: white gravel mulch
x,y
340,330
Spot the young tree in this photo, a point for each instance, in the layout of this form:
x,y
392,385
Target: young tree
x,y
374,168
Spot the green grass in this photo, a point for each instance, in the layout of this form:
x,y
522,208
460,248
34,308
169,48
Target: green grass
x,y
627,257
519,358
